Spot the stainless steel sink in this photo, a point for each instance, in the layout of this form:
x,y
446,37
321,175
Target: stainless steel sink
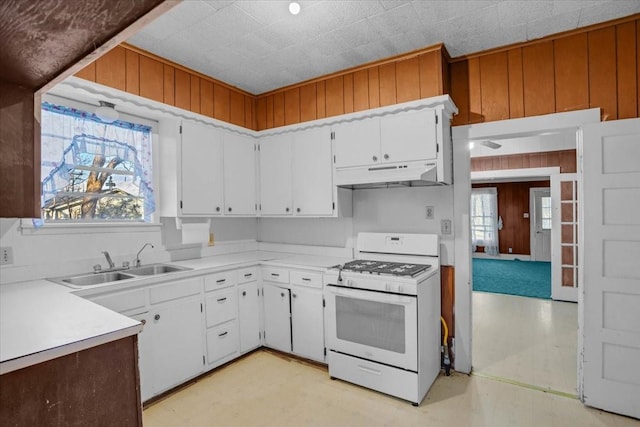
x,y
153,269
95,279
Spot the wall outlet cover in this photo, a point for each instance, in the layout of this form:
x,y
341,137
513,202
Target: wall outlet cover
x,y
430,212
6,255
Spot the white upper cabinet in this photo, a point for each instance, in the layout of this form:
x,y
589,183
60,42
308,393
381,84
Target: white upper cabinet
x,y
392,138
201,183
239,174
275,175
357,143
408,136
313,190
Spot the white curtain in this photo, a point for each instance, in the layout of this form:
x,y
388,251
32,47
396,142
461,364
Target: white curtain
x,y
484,219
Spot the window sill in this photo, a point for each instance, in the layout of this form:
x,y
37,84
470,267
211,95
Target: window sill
x,y
27,228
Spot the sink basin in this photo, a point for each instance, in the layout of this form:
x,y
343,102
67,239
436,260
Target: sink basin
x,y
153,269
96,279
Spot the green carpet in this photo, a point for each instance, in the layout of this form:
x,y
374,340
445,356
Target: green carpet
x,y
522,278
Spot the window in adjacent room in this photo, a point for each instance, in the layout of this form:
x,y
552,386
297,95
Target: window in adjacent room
x,y
546,212
484,219
92,170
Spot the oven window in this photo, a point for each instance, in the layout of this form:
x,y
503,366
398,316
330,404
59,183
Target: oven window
x,y
371,323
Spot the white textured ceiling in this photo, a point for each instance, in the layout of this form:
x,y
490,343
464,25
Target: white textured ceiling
x,y
258,46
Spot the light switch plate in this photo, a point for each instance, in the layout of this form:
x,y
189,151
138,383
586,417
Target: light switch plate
x,y
445,226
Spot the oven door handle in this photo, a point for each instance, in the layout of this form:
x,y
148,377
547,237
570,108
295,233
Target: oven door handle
x,y
373,296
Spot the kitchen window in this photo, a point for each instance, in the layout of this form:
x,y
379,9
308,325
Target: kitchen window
x,y
94,171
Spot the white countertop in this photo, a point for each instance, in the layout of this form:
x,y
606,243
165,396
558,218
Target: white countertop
x,y
40,320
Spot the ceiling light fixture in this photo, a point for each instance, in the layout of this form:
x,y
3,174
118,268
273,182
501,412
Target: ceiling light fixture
x,y
294,7
107,112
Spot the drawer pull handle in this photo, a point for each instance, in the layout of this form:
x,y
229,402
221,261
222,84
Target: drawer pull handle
x,y
221,300
156,317
306,279
369,370
143,321
282,294
221,281
248,275
275,274
223,334
294,295
244,293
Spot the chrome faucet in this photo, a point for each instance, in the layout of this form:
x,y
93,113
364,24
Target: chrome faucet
x,y
109,260
140,251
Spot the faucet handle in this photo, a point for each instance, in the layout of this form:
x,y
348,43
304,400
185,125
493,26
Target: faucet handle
x,y
125,264
97,268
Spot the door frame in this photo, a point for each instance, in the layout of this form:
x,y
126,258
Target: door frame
x,y
533,219
462,136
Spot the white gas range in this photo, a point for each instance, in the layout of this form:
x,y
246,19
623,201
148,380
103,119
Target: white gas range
x,y
383,315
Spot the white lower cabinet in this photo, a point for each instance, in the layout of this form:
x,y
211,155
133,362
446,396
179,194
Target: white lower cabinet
x,y
222,343
294,313
176,340
307,327
221,307
277,317
249,316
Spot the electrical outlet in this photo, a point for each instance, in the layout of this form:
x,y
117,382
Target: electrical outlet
x,y
510,250
6,255
445,226
431,211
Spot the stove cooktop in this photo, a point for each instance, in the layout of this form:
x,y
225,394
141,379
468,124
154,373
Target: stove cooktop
x,y
385,268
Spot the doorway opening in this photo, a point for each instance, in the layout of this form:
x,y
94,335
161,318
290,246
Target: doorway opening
x,y
490,318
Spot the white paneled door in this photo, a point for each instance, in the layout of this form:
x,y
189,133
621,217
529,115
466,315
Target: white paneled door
x,y
610,232
541,224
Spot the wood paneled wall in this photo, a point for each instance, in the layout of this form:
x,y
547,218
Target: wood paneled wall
x,y
566,159
416,75
591,67
513,203
141,73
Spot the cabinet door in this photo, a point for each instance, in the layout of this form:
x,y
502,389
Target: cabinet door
x,y
239,175
178,351
277,318
145,353
307,323
312,173
202,171
357,143
409,136
249,316
275,175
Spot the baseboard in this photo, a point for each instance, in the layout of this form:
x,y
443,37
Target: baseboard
x,y
503,256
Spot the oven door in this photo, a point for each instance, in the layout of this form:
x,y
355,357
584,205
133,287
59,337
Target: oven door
x,y
376,326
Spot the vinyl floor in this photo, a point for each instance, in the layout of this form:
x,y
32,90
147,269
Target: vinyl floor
x,y
270,389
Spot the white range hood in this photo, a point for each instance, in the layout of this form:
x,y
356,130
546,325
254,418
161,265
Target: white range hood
x,y
408,174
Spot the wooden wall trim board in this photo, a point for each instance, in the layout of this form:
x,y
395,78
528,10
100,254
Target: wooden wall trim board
x,y
136,71
565,159
595,66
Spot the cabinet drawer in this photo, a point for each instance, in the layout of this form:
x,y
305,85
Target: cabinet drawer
x,y
222,342
305,278
219,280
123,301
279,275
222,306
246,275
175,290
